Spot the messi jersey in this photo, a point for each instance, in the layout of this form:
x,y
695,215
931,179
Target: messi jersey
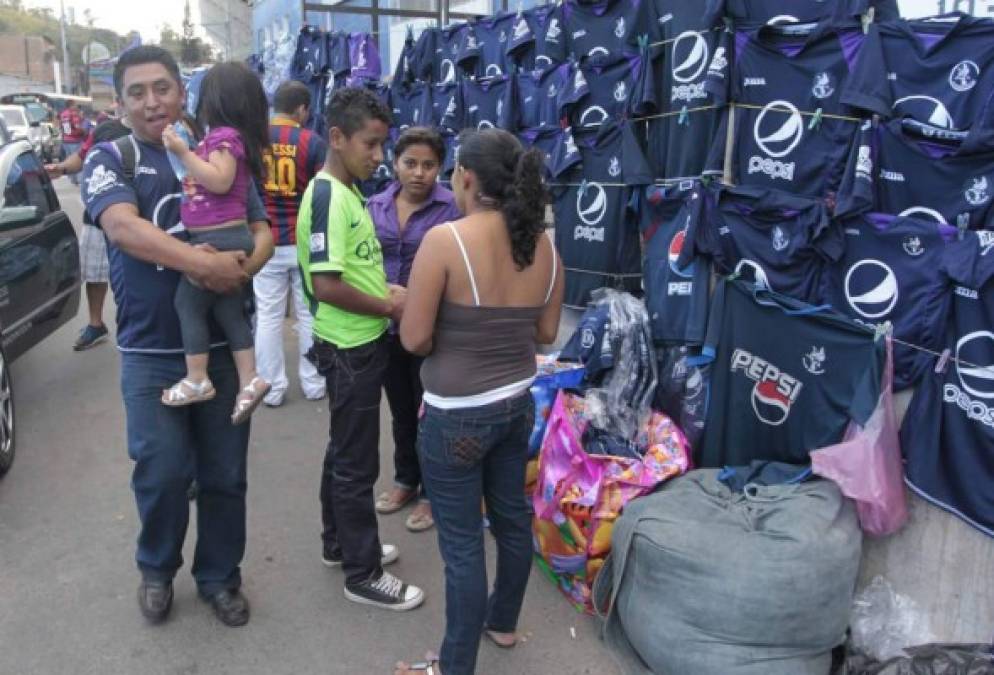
x,y
538,41
614,91
933,71
780,241
948,432
786,378
292,159
675,297
889,272
487,56
752,12
596,209
482,104
912,169
781,72
410,104
603,31
541,97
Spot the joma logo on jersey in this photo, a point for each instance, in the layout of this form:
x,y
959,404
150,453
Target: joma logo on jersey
x,y
892,176
754,82
774,392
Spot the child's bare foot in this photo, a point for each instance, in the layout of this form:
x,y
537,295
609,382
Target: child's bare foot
x,y
248,399
188,392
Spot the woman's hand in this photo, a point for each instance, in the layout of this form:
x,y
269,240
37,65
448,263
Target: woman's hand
x,y
173,142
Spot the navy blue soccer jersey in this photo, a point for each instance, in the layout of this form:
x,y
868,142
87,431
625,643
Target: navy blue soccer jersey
x,y
596,209
491,37
780,241
310,60
337,48
450,46
778,73
411,104
546,140
541,97
912,169
889,272
614,91
364,57
751,12
948,432
675,297
787,379
603,31
591,344
483,103
538,41
680,68
424,61
445,106
933,71
405,71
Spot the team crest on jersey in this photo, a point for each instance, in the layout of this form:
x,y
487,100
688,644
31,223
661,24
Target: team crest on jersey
x,y
503,36
774,392
978,191
619,27
719,63
864,163
471,42
450,110
780,239
500,109
823,87
814,361
963,76
100,180
552,34
579,81
317,242
587,338
570,145
614,168
520,29
553,92
986,238
620,92
913,246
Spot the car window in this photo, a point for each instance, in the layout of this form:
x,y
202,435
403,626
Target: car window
x,y
26,187
13,118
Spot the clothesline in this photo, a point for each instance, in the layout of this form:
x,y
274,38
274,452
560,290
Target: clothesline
x,y
816,113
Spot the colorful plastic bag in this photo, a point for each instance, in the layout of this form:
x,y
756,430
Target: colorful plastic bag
x,y
579,496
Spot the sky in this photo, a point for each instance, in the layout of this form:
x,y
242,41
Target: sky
x,y
123,16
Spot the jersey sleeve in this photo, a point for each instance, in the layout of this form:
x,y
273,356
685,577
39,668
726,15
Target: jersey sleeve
x,y
329,230
635,170
104,184
255,212
866,396
856,193
867,87
469,46
423,56
714,164
317,149
644,102
827,237
225,138
565,155
521,36
718,81
576,85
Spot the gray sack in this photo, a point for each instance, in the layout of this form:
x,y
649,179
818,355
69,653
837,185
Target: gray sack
x,y
702,581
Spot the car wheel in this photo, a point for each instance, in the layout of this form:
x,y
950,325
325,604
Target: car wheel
x,y
7,429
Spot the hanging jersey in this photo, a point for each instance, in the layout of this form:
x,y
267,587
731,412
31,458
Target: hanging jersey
x,y
614,92
293,158
541,97
384,173
936,72
948,432
538,41
445,106
889,272
404,73
596,209
912,169
591,344
675,297
546,140
752,12
483,104
424,62
780,241
411,104
603,31
310,60
337,46
778,73
492,35
364,57
450,49
680,67
787,377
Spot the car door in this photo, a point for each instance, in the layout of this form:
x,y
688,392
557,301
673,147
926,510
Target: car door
x,y
39,254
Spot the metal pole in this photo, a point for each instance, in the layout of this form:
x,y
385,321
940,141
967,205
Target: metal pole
x,y
66,75
227,30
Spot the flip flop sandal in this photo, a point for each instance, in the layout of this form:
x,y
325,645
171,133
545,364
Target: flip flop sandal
x,y
419,522
248,400
492,636
385,505
177,395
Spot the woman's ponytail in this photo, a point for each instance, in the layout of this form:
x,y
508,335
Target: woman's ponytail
x,y
524,206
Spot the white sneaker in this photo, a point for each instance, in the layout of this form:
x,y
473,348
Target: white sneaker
x,y
387,592
389,553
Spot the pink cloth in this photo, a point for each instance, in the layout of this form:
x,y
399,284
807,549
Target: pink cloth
x,y
867,464
202,208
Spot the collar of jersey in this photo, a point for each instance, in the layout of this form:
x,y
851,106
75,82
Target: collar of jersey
x,y
282,121
963,21
351,188
791,46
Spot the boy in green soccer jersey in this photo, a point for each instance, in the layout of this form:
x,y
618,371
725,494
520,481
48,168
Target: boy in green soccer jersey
x,y
342,269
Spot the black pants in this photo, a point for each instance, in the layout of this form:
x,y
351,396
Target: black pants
x,y
352,459
402,384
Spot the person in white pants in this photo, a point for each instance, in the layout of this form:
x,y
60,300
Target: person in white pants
x,y
294,156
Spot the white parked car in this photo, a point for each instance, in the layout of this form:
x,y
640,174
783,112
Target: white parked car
x,y
25,127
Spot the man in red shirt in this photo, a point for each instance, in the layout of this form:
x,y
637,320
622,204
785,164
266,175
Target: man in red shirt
x,y
73,133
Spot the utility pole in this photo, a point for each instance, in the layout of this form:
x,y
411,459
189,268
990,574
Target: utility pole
x,y
66,73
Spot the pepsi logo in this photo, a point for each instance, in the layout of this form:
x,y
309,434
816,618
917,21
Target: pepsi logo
x,y
770,406
779,128
591,204
755,270
774,392
690,54
493,70
927,108
594,116
676,246
542,61
871,288
976,348
923,212
782,18
596,52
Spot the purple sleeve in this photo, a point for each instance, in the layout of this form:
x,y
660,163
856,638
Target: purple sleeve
x,y
224,138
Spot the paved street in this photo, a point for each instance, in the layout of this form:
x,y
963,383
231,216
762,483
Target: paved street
x,y
68,525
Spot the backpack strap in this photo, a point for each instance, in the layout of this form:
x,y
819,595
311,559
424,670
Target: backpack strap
x,y
128,156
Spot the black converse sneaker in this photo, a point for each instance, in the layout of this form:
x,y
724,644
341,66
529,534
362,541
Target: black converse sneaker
x,y
389,554
387,592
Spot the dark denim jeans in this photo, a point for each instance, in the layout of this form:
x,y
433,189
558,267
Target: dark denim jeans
x,y
402,384
171,447
467,456
352,458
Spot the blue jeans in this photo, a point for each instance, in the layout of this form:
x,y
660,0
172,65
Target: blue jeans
x,y
468,455
171,447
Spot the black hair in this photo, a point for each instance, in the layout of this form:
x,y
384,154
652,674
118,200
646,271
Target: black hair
x,y
232,96
291,95
350,108
139,56
420,136
511,178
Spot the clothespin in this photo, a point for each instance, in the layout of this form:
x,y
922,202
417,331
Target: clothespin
x,y
943,362
867,19
706,180
883,329
583,188
962,225
815,120
684,117
643,42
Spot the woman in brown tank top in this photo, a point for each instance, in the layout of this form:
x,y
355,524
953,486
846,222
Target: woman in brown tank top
x,y
483,292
